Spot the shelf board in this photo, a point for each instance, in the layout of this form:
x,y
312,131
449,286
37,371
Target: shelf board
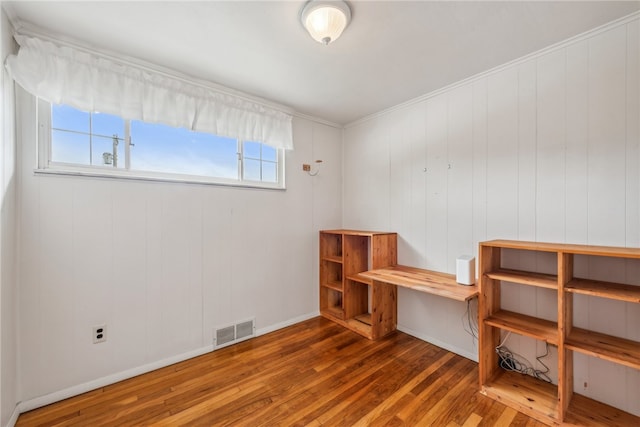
x,y
588,412
534,397
607,251
333,312
364,318
336,286
541,280
333,258
618,350
427,281
617,291
357,232
522,324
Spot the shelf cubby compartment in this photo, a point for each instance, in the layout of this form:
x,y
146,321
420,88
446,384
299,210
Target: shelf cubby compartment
x,y
357,296
541,280
357,312
370,307
584,411
610,290
331,246
618,350
522,324
331,302
525,393
331,275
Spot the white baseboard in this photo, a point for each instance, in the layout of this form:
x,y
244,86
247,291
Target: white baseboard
x,y
57,396
460,351
286,323
66,393
14,416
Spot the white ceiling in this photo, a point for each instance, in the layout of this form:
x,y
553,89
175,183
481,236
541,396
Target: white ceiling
x,y
393,51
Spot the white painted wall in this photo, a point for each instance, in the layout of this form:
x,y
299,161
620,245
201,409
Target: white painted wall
x,y
161,264
8,235
545,149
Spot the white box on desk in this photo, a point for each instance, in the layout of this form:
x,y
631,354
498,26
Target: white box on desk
x,y
466,270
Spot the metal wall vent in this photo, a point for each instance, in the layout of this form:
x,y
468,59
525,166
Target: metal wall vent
x,y
234,333
225,335
244,330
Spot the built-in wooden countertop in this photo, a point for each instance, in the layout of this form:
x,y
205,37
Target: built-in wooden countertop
x,y
431,282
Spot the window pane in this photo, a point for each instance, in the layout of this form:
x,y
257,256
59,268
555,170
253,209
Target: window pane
x,y
161,148
107,125
260,162
65,117
87,139
106,153
252,150
269,172
68,147
251,170
269,153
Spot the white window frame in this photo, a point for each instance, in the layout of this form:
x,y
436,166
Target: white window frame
x,y
46,166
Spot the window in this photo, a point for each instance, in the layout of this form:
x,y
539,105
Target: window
x,y
103,144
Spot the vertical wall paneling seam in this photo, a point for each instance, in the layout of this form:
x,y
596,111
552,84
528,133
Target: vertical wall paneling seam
x,y
18,242
448,179
588,145
387,139
147,341
566,72
637,133
535,159
313,181
564,151
486,159
74,276
426,182
203,334
447,174
587,364
626,133
518,88
626,184
342,181
473,164
110,313
535,162
231,261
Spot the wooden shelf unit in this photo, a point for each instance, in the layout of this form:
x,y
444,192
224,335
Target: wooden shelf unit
x,y
550,404
355,302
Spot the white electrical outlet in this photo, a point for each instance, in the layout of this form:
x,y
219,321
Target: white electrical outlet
x,y
99,334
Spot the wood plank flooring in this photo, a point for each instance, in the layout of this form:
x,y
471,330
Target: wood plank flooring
x,y
314,373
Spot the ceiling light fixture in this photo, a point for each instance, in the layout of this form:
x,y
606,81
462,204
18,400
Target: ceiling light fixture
x,y
325,20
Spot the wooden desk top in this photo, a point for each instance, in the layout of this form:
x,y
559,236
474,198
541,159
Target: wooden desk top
x,y
431,282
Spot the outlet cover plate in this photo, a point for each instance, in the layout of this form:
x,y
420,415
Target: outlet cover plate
x,y
99,334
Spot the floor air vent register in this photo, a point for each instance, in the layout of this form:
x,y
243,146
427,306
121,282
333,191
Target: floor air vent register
x,y
234,333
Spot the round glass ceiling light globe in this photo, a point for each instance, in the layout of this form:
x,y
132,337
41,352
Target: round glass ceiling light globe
x,y
325,20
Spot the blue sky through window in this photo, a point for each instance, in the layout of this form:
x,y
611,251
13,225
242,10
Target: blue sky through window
x,y
88,139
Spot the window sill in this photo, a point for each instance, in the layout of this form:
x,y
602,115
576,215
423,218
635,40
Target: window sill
x,y
155,177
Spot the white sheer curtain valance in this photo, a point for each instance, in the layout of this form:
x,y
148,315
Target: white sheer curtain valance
x,y
62,74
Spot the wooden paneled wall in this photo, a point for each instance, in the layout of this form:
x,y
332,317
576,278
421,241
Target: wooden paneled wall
x,y
545,149
161,264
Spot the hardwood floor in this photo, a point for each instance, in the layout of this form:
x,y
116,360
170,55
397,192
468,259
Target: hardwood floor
x,y
315,373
